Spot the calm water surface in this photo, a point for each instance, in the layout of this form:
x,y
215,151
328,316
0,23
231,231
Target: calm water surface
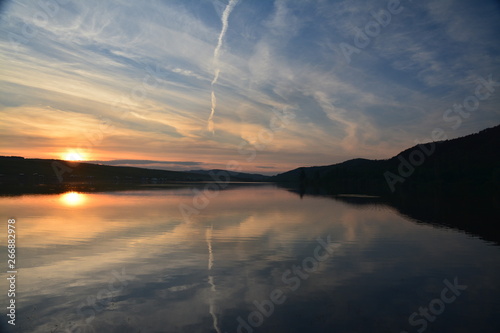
x,y
255,259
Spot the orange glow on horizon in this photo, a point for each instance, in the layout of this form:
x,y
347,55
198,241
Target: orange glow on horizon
x,y
72,156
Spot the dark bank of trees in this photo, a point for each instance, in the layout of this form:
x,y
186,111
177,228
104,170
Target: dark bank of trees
x,y
467,167
20,175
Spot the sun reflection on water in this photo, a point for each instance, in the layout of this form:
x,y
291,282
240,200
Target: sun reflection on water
x,y
73,198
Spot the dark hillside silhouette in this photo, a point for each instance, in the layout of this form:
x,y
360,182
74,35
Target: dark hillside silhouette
x,y
20,175
464,167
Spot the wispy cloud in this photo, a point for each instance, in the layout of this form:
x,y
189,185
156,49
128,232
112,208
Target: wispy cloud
x,y
149,70
130,162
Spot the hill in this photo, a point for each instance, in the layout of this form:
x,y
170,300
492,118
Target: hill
x,y
241,176
18,175
467,166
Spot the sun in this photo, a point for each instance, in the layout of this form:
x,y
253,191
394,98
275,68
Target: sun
x,y
72,156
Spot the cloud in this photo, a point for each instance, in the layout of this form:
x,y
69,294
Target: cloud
x,y
146,70
132,162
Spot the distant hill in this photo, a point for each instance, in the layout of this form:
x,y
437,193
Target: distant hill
x,y
18,173
19,169
241,176
466,166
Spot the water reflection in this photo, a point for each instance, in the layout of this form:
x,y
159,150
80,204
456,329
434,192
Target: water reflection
x,y
211,279
73,198
129,262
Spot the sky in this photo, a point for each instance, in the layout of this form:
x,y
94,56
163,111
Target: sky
x,y
269,85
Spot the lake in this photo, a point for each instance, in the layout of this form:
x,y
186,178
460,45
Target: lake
x,y
245,259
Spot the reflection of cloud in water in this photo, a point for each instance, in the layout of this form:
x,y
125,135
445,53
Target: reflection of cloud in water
x,y
211,279
71,252
181,288
209,244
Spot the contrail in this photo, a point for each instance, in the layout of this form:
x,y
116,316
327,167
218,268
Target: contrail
x,y
211,279
224,19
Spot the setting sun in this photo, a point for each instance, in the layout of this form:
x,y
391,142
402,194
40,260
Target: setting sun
x,y
72,156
